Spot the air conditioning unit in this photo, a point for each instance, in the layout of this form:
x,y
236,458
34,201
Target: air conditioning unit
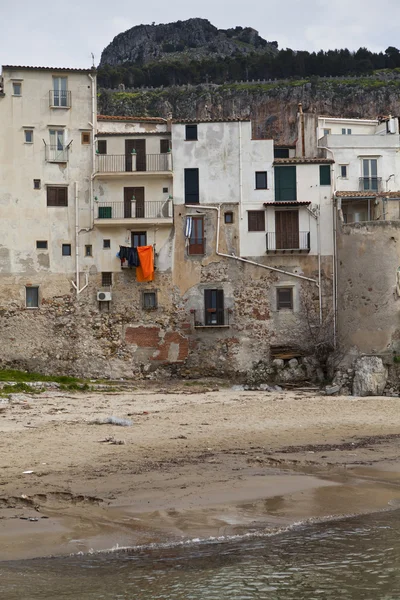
x,y
104,296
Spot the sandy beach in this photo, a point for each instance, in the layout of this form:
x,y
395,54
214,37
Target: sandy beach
x,y
197,461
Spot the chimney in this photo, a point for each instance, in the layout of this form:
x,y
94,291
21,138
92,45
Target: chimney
x,y
169,121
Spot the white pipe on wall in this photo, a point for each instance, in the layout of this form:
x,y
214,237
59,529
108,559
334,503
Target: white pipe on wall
x,y
77,230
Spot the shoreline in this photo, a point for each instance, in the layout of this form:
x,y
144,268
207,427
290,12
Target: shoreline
x,y
194,464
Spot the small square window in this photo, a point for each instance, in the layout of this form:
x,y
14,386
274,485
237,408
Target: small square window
x,y
36,184
88,250
57,196
32,296
228,216
101,146
261,180
165,190
191,132
17,88
85,137
106,279
149,300
28,136
343,171
41,245
66,249
106,243
164,146
327,131
284,298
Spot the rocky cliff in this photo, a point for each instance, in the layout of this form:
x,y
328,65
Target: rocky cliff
x,y
193,39
272,106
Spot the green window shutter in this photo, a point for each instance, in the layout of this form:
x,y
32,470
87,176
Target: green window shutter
x,y
325,175
105,212
285,184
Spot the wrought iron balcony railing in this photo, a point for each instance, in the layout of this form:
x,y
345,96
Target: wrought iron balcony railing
x,y
218,317
60,98
126,163
286,242
370,184
152,209
56,154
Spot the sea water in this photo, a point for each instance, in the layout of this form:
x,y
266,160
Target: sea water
x,y
355,558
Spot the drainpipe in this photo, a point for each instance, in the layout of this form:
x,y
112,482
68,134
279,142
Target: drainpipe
x,y
77,284
245,260
240,173
93,125
316,216
303,139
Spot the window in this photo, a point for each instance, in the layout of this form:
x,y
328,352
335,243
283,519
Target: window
x,y
57,152
138,238
66,249
192,186
36,184
57,196
191,132
101,146
17,88
281,152
106,278
324,175
85,137
256,220
28,136
165,190
32,296
343,171
327,131
228,216
284,298
88,250
346,131
369,180
261,180
164,146
285,183
106,244
196,240
149,300
214,307
60,93
41,245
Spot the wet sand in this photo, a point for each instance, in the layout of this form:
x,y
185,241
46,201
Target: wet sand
x,y
194,463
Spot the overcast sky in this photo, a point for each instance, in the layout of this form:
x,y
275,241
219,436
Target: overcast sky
x,y
48,33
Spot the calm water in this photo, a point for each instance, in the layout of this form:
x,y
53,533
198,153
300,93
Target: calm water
x,y
355,558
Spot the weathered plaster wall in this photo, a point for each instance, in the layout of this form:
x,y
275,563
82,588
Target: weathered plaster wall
x,y
368,305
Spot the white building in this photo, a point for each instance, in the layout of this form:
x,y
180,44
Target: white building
x,y
367,165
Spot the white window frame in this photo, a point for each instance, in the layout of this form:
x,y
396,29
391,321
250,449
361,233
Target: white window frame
x,y
58,90
28,130
346,166
327,131
14,83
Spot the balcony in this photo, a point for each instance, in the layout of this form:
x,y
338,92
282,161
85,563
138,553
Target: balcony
x,y
157,212
218,317
60,99
115,164
370,184
288,243
56,154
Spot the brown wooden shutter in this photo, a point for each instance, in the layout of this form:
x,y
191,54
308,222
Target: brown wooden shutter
x,y
287,229
57,196
256,220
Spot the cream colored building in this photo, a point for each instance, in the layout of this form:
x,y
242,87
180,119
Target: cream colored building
x,y
47,119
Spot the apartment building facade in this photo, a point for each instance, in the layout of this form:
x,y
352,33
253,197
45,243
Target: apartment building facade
x,y
239,230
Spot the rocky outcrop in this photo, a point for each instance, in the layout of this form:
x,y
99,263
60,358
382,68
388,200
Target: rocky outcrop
x,y
370,376
272,106
183,40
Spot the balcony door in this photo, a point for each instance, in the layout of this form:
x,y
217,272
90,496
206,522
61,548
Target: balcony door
x,y
287,229
140,147
57,150
214,307
370,174
134,196
60,91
